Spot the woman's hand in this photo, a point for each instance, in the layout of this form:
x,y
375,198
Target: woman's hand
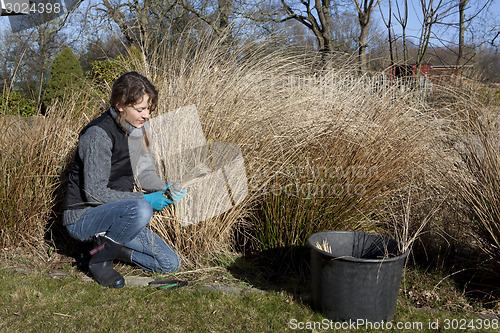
x,y
174,192
157,200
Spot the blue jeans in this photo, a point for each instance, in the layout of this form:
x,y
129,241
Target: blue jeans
x,y
125,222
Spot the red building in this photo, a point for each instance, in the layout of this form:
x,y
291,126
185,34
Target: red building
x,y
409,71
433,73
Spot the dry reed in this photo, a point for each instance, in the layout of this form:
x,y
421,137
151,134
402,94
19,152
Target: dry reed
x,y
35,153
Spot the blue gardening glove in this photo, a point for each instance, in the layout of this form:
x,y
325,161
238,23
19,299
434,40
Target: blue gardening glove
x,y
157,200
174,192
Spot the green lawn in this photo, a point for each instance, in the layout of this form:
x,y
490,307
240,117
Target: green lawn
x,y
39,302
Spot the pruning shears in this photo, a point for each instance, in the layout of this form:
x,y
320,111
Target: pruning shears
x,y
168,284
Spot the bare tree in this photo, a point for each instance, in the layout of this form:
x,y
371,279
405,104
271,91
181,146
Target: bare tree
x,y
314,15
320,27
433,13
365,9
388,25
147,22
461,35
215,15
462,6
141,22
443,13
402,18
345,31
224,12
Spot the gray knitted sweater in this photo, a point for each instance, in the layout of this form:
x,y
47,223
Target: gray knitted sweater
x,y
95,147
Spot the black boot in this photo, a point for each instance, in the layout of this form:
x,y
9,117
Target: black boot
x,y
125,255
101,262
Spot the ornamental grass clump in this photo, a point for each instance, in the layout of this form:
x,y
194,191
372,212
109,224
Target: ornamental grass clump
x,y
478,183
35,152
359,148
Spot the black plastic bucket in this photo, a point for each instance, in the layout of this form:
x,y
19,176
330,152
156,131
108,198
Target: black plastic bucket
x,y
359,279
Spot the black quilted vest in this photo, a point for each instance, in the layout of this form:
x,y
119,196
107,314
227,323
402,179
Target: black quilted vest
x,y
121,177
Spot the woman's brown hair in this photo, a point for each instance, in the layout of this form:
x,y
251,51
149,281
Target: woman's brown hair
x,y
129,89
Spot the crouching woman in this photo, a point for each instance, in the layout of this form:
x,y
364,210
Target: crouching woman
x,y
101,205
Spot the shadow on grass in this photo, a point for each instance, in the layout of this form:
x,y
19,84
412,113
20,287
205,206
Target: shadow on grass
x,y
282,269
474,272
58,238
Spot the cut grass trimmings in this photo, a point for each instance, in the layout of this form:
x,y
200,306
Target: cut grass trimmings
x,y
324,246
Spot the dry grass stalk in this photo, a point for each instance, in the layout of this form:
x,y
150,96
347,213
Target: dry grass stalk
x,y
406,229
324,246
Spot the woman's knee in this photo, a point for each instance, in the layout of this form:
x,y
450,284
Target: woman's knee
x,y
168,262
143,210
